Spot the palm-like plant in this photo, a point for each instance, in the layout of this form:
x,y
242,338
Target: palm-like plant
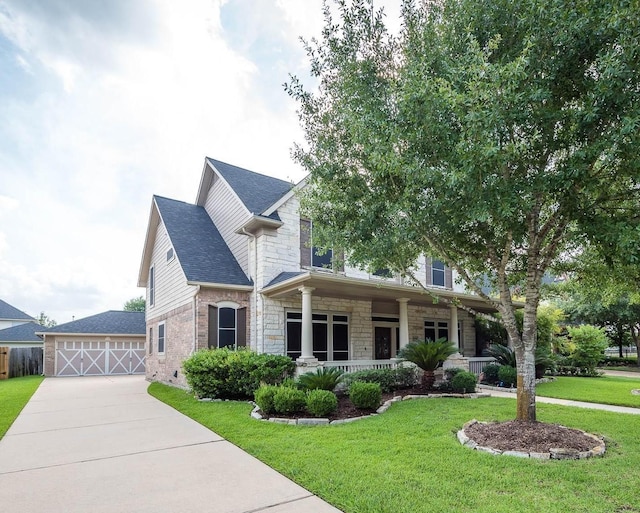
x,y
428,355
325,378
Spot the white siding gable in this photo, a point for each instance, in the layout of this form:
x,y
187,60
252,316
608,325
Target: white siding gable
x,y
171,289
227,212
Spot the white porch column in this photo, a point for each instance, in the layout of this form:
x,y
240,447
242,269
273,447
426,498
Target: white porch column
x,y
453,327
404,321
307,357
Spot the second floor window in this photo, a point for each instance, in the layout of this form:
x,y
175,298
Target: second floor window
x,y
313,256
152,286
437,273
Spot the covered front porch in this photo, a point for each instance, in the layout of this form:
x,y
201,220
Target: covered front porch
x,y
356,324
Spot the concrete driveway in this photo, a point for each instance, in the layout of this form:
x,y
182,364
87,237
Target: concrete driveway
x,y
102,444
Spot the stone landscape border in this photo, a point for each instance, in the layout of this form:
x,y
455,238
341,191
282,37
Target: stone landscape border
x,y
312,421
553,454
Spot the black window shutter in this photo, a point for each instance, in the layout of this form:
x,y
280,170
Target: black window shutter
x,y
305,246
213,327
241,328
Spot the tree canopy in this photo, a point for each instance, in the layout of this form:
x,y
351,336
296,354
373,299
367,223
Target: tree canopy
x,y
496,136
137,304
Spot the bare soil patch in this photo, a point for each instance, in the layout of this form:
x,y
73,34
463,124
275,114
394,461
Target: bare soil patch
x,y
529,437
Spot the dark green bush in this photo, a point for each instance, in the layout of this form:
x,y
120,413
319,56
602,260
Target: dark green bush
x,y
321,403
507,375
490,373
388,379
616,361
289,400
325,378
451,372
228,374
464,382
365,396
263,397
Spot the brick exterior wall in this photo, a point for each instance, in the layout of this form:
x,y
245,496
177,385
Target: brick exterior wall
x,y
211,297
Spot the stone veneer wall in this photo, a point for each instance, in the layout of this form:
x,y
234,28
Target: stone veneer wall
x,y
418,314
360,328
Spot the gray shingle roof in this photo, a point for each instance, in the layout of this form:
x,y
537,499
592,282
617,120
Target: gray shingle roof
x,y
22,333
10,312
112,322
284,276
257,192
201,250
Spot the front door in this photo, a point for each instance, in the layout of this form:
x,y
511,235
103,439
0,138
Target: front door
x,y
382,344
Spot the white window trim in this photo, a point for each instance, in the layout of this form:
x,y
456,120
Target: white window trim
x,y
152,286
173,255
444,274
445,321
164,341
229,305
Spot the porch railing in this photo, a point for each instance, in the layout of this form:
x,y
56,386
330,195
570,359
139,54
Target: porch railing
x,y
477,363
358,365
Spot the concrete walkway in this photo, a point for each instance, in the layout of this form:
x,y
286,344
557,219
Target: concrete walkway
x,y
102,444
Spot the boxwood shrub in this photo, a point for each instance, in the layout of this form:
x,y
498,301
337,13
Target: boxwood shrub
x,y
464,382
366,396
507,375
321,403
227,374
263,397
287,400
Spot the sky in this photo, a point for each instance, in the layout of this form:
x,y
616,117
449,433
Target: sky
x,y
105,103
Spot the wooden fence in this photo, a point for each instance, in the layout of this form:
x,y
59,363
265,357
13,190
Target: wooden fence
x,y
20,361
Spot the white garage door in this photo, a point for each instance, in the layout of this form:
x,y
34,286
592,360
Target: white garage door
x,y
97,358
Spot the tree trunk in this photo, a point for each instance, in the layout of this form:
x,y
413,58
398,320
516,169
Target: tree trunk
x,y
635,336
428,379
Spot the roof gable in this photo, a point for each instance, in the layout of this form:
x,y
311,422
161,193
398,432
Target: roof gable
x,y
11,313
22,333
257,192
113,322
202,252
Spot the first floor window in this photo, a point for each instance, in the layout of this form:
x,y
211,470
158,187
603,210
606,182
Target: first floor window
x,y
330,336
227,326
434,330
150,340
161,337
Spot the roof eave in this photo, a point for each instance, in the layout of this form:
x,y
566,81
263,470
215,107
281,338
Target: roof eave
x,y
220,285
286,197
147,249
257,222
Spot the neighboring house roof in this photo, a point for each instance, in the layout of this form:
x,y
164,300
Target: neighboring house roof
x,y
22,333
257,192
200,249
113,322
11,313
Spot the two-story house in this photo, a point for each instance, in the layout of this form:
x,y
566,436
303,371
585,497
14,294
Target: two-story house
x,y
238,268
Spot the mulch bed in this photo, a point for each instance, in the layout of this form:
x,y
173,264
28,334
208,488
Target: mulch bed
x,y
528,436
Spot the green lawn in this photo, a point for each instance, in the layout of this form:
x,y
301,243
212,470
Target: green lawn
x,y
409,460
606,389
14,394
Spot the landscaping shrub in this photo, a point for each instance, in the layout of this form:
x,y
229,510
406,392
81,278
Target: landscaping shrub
x,y
321,403
490,373
451,372
617,361
388,379
227,374
263,397
325,378
507,375
365,396
590,344
464,382
289,400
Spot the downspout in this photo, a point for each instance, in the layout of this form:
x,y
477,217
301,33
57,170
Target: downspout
x,y
254,323
195,319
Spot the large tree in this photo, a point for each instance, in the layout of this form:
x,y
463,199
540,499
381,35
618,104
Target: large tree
x,y
494,135
136,304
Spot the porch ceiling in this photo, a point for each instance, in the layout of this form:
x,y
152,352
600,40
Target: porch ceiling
x,y
338,286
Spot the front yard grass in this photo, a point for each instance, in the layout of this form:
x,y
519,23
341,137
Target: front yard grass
x,y
606,389
14,394
409,460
